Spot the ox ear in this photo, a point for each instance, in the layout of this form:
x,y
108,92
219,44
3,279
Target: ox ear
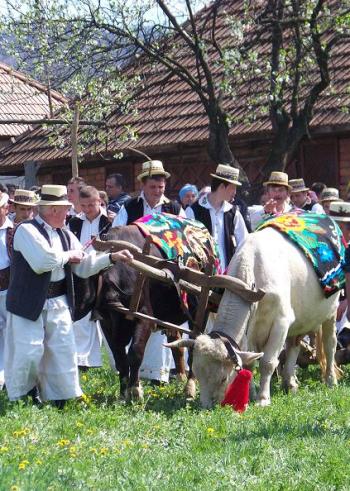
x,y
180,343
248,357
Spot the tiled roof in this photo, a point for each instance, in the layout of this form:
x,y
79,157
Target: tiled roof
x,y
173,114
22,98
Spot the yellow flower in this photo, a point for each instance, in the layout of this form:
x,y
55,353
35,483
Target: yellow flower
x,y
84,378
210,431
63,443
19,433
4,449
14,488
127,443
22,465
93,450
38,462
79,424
103,451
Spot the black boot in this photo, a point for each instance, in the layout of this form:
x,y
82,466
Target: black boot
x,y
35,395
59,403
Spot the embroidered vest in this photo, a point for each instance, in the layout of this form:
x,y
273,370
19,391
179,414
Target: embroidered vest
x,y
134,208
27,290
203,215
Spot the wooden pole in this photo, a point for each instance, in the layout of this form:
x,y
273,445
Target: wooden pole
x,y
74,141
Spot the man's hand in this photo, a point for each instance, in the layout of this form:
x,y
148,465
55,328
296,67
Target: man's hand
x,y
111,215
124,256
270,206
75,257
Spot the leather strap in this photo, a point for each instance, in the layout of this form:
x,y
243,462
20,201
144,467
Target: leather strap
x,y
230,345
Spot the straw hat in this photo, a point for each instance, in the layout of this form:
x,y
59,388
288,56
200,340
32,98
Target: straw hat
x,y
3,199
330,194
297,185
340,211
152,168
53,194
278,179
227,173
25,198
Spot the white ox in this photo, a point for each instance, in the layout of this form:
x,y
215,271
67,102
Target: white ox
x,y
293,305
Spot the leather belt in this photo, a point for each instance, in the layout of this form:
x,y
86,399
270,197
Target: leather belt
x,y
57,288
4,278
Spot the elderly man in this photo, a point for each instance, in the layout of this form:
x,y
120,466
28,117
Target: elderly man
x,y
89,224
24,202
151,199
300,197
223,219
39,345
6,232
277,199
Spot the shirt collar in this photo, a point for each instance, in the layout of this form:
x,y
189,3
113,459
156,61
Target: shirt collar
x,y
83,216
44,224
204,201
163,199
7,224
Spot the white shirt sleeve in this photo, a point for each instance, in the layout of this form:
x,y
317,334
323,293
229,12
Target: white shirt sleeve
x,y
189,213
37,251
92,263
182,213
240,230
317,208
121,218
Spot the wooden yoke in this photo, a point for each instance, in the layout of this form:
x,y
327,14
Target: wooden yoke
x,y
203,301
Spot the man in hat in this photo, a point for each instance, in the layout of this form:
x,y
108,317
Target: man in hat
x,y
277,199
24,202
91,222
40,355
328,196
222,218
151,199
6,232
300,197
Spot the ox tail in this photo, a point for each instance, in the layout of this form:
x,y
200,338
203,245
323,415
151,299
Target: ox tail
x,y
321,357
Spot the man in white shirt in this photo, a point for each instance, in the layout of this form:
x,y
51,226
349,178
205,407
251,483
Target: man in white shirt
x,y
91,222
151,199
73,187
40,355
300,197
6,232
223,220
277,199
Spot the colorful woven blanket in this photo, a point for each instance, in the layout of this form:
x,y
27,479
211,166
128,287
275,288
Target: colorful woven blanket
x,y
180,238
320,239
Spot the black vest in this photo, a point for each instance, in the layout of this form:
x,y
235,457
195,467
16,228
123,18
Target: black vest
x,y
27,290
203,215
76,225
134,208
308,206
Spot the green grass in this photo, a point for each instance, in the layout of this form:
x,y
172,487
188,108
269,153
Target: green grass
x,y
300,442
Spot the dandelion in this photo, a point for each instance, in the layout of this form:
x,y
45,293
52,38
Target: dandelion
x,y
93,450
22,465
103,451
63,443
39,462
89,432
14,488
84,378
79,424
210,431
127,443
19,433
4,449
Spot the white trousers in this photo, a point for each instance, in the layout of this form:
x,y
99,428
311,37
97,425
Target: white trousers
x,y
3,314
88,339
42,353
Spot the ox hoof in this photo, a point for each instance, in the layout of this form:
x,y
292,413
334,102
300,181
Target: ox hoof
x,y
181,377
263,402
134,394
190,389
331,382
290,387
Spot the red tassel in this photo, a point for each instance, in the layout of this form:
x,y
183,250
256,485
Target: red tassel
x,y
237,392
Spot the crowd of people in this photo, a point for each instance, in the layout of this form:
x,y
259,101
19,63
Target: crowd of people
x,y
47,233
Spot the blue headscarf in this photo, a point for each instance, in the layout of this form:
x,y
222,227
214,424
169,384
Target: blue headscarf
x,y
186,188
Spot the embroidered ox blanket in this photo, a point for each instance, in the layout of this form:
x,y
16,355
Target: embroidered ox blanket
x,y
320,239
180,238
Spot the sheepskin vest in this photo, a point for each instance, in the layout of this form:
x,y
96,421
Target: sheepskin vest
x,y
134,208
203,215
27,290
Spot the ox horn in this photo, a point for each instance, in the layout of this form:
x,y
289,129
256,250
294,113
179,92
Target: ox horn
x,y
180,343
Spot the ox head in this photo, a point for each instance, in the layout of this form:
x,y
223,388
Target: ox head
x,y
213,366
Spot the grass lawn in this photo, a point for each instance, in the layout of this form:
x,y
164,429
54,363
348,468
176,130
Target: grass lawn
x,y
301,442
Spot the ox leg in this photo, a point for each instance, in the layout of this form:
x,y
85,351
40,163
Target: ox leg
x,y
135,357
269,361
329,346
289,380
179,357
190,389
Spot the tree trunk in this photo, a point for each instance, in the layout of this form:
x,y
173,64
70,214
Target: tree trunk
x,y
30,172
74,141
